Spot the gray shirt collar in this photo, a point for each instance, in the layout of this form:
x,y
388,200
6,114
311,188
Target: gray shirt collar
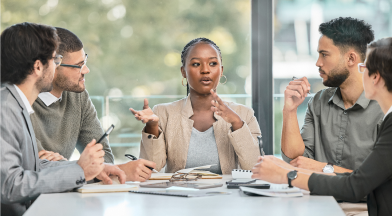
x,y
336,98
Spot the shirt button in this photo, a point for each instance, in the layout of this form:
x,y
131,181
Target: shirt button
x,y
341,137
149,136
344,112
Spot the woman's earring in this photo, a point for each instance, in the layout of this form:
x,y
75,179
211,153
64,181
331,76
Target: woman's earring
x,y
225,81
182,82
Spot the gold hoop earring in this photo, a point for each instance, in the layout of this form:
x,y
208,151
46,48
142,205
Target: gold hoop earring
x,y
182,82
225,81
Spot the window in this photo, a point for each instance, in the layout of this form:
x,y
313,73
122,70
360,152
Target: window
x,y
134,50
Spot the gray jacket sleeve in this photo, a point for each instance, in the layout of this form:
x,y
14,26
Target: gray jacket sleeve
x,y
91,128
19,184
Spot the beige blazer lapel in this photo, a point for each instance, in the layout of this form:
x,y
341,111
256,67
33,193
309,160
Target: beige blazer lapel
x,y
225,150
187,125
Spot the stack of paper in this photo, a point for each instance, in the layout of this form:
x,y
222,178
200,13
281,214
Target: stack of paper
x,y
274,191
114,187
98,188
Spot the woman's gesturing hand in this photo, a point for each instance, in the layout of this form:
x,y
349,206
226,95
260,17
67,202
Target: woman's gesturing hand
x,y
146,115
225,112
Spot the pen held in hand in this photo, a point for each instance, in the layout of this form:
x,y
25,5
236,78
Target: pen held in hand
x,y
295,78
106,133
135,158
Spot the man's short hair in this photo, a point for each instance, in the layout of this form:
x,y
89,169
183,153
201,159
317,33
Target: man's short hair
x,y
380,60
21,45
69,42
347,32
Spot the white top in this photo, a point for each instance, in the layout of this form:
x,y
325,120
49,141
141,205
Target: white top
x,y
389,111
25,101
48,98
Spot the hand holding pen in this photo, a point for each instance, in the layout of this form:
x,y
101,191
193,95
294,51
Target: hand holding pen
x,y
295,93
137,170
129,156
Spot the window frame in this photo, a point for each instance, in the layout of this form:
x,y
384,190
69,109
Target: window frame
x,y
262,77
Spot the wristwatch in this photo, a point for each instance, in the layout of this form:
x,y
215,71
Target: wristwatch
x,y
328,168
291,176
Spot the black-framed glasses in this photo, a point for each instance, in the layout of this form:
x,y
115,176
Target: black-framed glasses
x,y
57,59
77,66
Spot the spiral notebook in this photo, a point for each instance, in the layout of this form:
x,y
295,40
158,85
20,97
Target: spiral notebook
x,y
241,174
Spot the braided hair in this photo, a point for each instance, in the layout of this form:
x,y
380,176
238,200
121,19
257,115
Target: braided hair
x,y
192,43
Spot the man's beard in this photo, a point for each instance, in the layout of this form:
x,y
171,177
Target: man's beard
x,y
44,84
336,76
64,83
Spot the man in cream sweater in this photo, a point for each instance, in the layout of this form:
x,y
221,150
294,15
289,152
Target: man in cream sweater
x,y
65,117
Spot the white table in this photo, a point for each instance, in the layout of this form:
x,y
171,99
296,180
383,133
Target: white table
x,y
237,203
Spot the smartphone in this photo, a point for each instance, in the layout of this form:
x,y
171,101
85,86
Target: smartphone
x,y
106,133
256,186
240,181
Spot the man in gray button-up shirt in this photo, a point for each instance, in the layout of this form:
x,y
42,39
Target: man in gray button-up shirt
x,y
341,125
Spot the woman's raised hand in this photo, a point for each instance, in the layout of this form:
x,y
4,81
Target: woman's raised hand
x,y
225,111
146,115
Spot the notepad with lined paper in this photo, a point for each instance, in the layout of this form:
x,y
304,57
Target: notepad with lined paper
x,y
99,188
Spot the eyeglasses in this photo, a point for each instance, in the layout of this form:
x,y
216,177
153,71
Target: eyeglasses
x,y
57,59
77,66
361,67
185,177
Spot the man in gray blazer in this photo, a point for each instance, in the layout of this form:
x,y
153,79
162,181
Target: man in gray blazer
x,y
28,62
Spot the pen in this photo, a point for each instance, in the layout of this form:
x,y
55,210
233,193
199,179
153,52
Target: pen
x,y
106,133
294,78
135,158
260,145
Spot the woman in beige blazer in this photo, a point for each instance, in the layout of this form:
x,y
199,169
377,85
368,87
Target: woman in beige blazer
x,y
170,127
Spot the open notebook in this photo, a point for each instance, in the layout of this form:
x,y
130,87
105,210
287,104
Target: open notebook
x,y
101,188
